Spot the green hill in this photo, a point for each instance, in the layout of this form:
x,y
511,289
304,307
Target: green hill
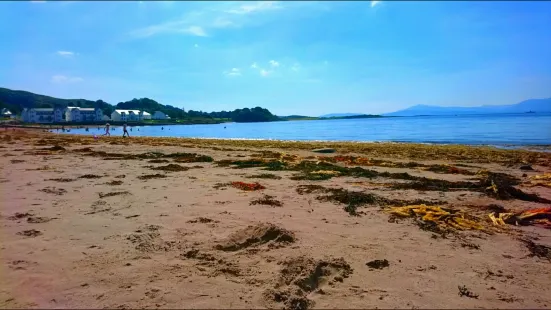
x,y
17,100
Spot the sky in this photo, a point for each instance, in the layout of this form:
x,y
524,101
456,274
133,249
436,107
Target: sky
x,y
291,57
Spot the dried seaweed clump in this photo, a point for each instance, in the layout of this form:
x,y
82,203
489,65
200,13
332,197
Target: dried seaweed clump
x,y
437,219
247,186
267,200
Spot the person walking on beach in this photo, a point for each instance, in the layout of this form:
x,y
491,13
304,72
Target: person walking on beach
x,y
107,130
125,131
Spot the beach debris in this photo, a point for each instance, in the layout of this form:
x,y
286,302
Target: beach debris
x,y
537,250
543,180
38,219
324,150
267,200
264,176
111,194
17,161
171,167
63,180
526,167
53,190
444,218
158,161
203,220
247,186
378,264
90,176
262,233
114,182
353,199
470,245
30,233
151,176
18,216
464,291
538,217
303,275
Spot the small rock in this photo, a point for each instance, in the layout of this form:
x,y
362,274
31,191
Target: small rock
x,y
324,150
378,264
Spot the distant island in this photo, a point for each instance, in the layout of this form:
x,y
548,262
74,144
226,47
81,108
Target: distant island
x,y
527,106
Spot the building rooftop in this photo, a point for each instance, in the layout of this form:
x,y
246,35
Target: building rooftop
x,y
128,111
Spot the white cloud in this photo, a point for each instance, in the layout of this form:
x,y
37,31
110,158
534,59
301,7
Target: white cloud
x,y
196,45
233,72
65,53
256,7
170,27
195,30
62,79
374,3
254,65
221,22
265,73
274,63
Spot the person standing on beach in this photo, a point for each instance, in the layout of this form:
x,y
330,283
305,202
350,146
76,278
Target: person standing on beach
x,y
107,130
125,131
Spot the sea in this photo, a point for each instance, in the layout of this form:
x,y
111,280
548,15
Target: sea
x,y
505,130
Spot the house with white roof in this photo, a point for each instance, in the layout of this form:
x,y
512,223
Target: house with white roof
x,y
146,115
127,115
6,113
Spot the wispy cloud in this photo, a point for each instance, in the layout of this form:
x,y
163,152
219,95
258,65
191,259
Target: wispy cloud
x,y
265,73
375,3
65,53
256,7
214,15
295,67
63,79
196,45
233,72
170,27
274,63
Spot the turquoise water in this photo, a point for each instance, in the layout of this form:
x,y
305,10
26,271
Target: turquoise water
x,y
505,129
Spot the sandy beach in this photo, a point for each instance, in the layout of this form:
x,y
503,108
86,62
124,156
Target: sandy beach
x,y
190,223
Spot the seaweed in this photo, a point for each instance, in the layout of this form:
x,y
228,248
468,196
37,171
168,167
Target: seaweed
x,y
151,176
264,176
267,200
171,167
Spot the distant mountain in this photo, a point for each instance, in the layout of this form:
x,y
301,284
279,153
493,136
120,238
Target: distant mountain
x,y
339,115
532,105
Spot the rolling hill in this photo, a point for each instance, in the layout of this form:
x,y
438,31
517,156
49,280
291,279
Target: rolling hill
x,y
531,105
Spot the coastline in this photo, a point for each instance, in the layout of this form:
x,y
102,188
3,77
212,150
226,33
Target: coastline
x,y
147,222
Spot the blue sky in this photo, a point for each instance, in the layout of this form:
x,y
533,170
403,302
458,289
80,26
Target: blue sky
x,y
306,58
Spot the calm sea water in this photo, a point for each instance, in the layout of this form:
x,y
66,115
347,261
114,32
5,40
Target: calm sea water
x,y
506,129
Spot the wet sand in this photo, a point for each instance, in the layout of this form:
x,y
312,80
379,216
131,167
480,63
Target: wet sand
x,y
165,223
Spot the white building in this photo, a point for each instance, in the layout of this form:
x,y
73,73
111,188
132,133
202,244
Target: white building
x,y
160,115
42,115
146,115
51,115
126,115
77,114
7,113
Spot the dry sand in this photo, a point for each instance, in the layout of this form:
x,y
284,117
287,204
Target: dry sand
x,y
112,239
